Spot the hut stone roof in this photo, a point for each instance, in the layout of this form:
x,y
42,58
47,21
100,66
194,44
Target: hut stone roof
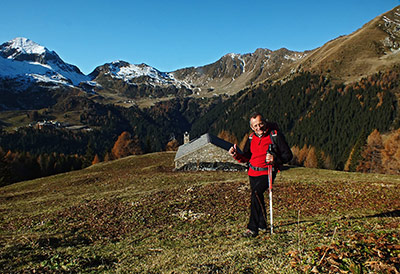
x,y
201,142
208,151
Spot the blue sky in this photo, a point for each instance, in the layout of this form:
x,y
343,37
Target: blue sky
x,y
169,35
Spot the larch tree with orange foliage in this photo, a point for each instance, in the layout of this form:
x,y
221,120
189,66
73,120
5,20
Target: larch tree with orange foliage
x,y
371,155
311,160
126,145
303,154
96,160
172,145
391,153
295,159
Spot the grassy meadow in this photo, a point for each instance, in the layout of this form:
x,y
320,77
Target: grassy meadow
x,y
137,215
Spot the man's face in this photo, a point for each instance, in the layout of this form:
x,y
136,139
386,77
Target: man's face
x,y
257,125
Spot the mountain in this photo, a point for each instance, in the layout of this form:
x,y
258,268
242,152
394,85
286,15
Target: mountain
x,y
230,74
135,74
332,98
23,59
234,72
374,47
133,81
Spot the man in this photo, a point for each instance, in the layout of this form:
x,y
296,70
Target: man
x,y
265,146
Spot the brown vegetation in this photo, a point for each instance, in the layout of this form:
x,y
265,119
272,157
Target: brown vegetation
x,y
310,157
172,145
228,136
126,145
380,156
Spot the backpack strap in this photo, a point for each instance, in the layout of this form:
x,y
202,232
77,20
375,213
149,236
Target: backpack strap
x,y
274,135
251,137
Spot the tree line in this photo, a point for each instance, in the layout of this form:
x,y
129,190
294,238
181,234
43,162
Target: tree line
x,y
326,125
313,113
115,132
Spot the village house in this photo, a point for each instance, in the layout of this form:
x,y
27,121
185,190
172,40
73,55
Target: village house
x,y
207,152
48,124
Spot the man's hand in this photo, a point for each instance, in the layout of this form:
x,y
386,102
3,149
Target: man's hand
x,y
233,151
269,158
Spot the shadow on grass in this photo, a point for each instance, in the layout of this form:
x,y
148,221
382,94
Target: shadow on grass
x,y
389,214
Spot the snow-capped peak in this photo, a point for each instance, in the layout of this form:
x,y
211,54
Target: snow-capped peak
x,y
129,71
140,73
23,57
25,46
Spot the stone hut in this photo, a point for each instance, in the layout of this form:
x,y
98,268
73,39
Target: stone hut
x,y
207,152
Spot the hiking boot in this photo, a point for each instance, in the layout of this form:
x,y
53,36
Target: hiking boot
x,y
262,230
249,234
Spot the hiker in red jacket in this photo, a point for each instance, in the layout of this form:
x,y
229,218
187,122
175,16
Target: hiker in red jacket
x,y
265,146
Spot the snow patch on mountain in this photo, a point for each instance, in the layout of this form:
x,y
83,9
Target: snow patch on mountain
x,y
129,72
25,46
239,57
33,71
24,59
126,71
295,56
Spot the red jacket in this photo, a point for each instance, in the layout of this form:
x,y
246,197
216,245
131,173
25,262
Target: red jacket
x,y
256,154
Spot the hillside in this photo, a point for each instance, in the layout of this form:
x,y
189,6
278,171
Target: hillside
x,y
136,215
372,48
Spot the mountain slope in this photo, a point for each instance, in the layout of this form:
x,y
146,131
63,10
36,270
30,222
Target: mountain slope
x,y
372,48
234,72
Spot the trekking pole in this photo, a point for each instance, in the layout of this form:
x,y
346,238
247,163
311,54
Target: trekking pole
x,y
270,189
270,196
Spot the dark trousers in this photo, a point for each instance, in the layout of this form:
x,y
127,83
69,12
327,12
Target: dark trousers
x,y
258,214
